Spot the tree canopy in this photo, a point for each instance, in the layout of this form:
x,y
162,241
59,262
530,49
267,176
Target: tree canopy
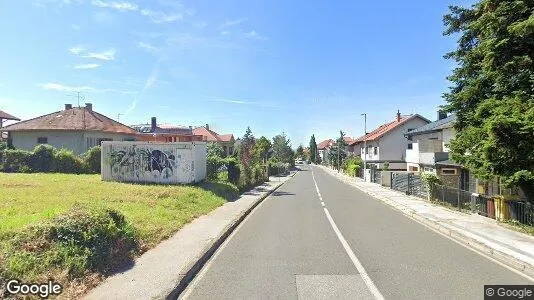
x,y
492,90
338,152
282,151
313,149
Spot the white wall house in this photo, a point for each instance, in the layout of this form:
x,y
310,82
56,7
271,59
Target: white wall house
x,y
387,143
323,150
74,128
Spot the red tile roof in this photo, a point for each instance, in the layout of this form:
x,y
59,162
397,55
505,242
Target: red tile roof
x,y
77,118
6,116
384,129
348,140
212,136
324,144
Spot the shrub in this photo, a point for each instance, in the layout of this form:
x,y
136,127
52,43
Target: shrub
x,y
91,159
42,159
68,162
234,172
213,164
80,240
3,145
353,169
16,160
431,180
276,168
258,174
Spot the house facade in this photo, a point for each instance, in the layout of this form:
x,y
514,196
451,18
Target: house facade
x,y
164,133
226,141
387,143
323,150
5,117
73,128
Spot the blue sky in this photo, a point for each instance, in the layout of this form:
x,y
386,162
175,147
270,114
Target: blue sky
x,y
296,66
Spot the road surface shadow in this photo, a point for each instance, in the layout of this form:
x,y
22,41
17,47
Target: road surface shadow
x,y
280,193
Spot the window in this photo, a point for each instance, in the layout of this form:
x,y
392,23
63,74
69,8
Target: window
x,y
410,146
409,138
103,140
448,171
410,129
375,151
42,140
428,169
433,138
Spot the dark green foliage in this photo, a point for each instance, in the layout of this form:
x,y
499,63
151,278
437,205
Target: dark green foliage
x,y
67,162
91,159
282,151
215,149
492,90
313,150
3,145
16,161
278,168
233,170
338,153
213,164
80,240
43,158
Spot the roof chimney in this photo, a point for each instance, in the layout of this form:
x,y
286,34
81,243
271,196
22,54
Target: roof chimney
x,y
441,115
398,116
208,126
68,106
89,106
153,123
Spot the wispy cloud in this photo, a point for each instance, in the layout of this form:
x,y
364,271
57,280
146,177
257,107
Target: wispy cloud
x,y
265,104
200,25
104,55
231,23
65,88
225,32
150,81
87,66
77,49
75,27
254,35
161,17
121,6
148,47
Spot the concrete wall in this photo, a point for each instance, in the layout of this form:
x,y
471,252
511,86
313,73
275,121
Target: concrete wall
x,y
76,141
168,163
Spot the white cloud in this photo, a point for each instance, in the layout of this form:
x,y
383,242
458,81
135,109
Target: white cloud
x,y
254,35
77,49
148,47
225,32
65,88
161,17
231,23
264,104
87,66
75,27
121,6
200,25
104,55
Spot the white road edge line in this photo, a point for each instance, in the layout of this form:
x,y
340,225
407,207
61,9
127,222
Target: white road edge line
x,y
361,270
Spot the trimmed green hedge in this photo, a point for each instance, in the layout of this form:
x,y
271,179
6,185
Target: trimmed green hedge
x,y
45,159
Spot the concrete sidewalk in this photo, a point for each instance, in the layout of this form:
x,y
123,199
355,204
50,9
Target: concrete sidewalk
x,y
167,269
515,249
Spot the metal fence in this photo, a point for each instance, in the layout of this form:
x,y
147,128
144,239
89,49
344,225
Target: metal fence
x,y
408,183
376,176
457,198
521,211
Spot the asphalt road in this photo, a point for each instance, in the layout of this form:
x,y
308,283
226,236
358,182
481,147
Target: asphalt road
x,y
353,247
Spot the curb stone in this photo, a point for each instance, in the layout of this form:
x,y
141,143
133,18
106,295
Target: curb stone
x,y
207,253
455,235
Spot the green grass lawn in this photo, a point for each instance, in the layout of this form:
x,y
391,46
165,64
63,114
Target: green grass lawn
x,y
156,211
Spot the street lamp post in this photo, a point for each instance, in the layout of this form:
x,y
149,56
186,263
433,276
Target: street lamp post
x,y
364,146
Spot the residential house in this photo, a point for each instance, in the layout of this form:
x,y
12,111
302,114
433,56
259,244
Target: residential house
x,y
323,150
387,143
74,128
5,117
165,133
428,151
226,141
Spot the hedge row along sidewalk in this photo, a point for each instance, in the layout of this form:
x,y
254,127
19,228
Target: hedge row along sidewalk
x,y
165,271
479,233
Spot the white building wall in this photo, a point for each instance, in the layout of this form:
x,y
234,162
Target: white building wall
x,y
168,163
447,135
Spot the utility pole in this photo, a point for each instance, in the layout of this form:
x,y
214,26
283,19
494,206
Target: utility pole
x,y
338,150
364,147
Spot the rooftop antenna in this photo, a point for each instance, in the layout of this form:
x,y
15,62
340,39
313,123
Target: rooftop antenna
x,y
78,96
119,117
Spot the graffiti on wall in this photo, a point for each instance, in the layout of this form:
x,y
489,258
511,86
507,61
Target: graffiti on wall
x,y
144,163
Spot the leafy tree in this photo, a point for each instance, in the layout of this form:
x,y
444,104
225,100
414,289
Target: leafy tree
x,y
492,90
247,142
215,149
261,149
313,149
282,151
338,152
300,151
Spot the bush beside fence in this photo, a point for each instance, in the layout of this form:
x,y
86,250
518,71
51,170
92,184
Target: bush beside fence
x,y
47,159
